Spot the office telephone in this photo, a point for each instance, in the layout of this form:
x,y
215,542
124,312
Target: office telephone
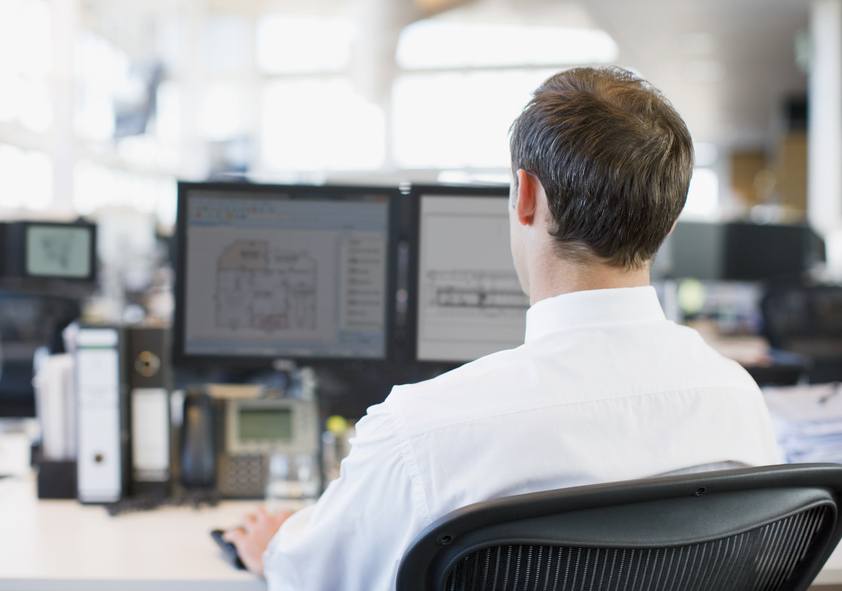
x,y
228,444
198,442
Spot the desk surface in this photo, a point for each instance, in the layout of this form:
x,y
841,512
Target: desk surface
x,y
831,575
50,545
47,545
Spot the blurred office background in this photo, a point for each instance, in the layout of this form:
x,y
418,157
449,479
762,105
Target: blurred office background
x,y
105,103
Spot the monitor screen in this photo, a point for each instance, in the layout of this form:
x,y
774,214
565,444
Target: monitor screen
x,y
283,272
470,302
739,251
58,251
264,424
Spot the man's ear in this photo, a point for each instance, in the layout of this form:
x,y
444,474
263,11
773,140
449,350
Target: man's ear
x,y
526,204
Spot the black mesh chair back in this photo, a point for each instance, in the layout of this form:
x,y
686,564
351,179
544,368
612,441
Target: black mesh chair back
x,y
756,529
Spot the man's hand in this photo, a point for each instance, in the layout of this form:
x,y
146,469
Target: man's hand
x,y
253,537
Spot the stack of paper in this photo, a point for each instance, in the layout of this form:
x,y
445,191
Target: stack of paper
x,y
55,399
808,421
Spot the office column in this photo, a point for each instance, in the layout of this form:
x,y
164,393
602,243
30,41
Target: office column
x,y
825,128
64,23
192,78
373,64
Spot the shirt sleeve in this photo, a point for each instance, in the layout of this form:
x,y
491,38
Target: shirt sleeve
x,y
354,537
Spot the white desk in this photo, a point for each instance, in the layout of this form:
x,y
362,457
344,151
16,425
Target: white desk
x,y
49,545
830,579
62,545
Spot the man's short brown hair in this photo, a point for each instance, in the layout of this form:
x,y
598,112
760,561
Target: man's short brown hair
x,y
614,158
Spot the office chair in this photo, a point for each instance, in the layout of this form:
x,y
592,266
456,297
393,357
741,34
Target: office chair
x,y
758,529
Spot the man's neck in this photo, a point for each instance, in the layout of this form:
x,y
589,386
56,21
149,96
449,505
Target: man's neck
x,y
553,276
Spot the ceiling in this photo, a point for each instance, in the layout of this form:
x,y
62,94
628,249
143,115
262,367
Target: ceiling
x,y
727,65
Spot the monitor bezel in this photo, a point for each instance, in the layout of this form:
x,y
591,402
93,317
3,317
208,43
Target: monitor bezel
x,y
22,261
416,192
182,358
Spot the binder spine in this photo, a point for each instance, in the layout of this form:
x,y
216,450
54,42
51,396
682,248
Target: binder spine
x,y
102,466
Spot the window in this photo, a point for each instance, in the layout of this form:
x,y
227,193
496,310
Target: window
x,y
463,84
320,124
703,196
27,181
167,122
97,186
225,111
441,44
288,44
459,119
101,70
25,63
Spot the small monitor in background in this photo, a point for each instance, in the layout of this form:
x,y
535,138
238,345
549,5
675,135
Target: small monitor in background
x,y
271,272
61,251
36,250
693,250
469,302
763,252
739,251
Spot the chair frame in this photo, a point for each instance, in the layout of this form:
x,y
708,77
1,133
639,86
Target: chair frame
x,y
437,549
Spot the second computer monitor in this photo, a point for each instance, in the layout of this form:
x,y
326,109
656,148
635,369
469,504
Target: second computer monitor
x,y
469,301
276,271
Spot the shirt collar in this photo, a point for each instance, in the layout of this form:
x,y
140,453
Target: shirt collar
x,y
592,308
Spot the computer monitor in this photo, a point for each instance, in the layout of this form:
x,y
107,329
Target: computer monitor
x,y
269,272
740,251
466,298
49,251
59,251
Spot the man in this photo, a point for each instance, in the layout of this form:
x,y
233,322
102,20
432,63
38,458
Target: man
x,y
604,387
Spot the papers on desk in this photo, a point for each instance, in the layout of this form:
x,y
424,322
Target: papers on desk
x,y
55,397
808,421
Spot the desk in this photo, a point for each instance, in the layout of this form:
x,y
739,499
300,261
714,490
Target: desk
x,y
47,545
61,545
830,579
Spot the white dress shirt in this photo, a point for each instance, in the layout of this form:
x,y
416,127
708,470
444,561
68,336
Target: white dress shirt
x,y
604,389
